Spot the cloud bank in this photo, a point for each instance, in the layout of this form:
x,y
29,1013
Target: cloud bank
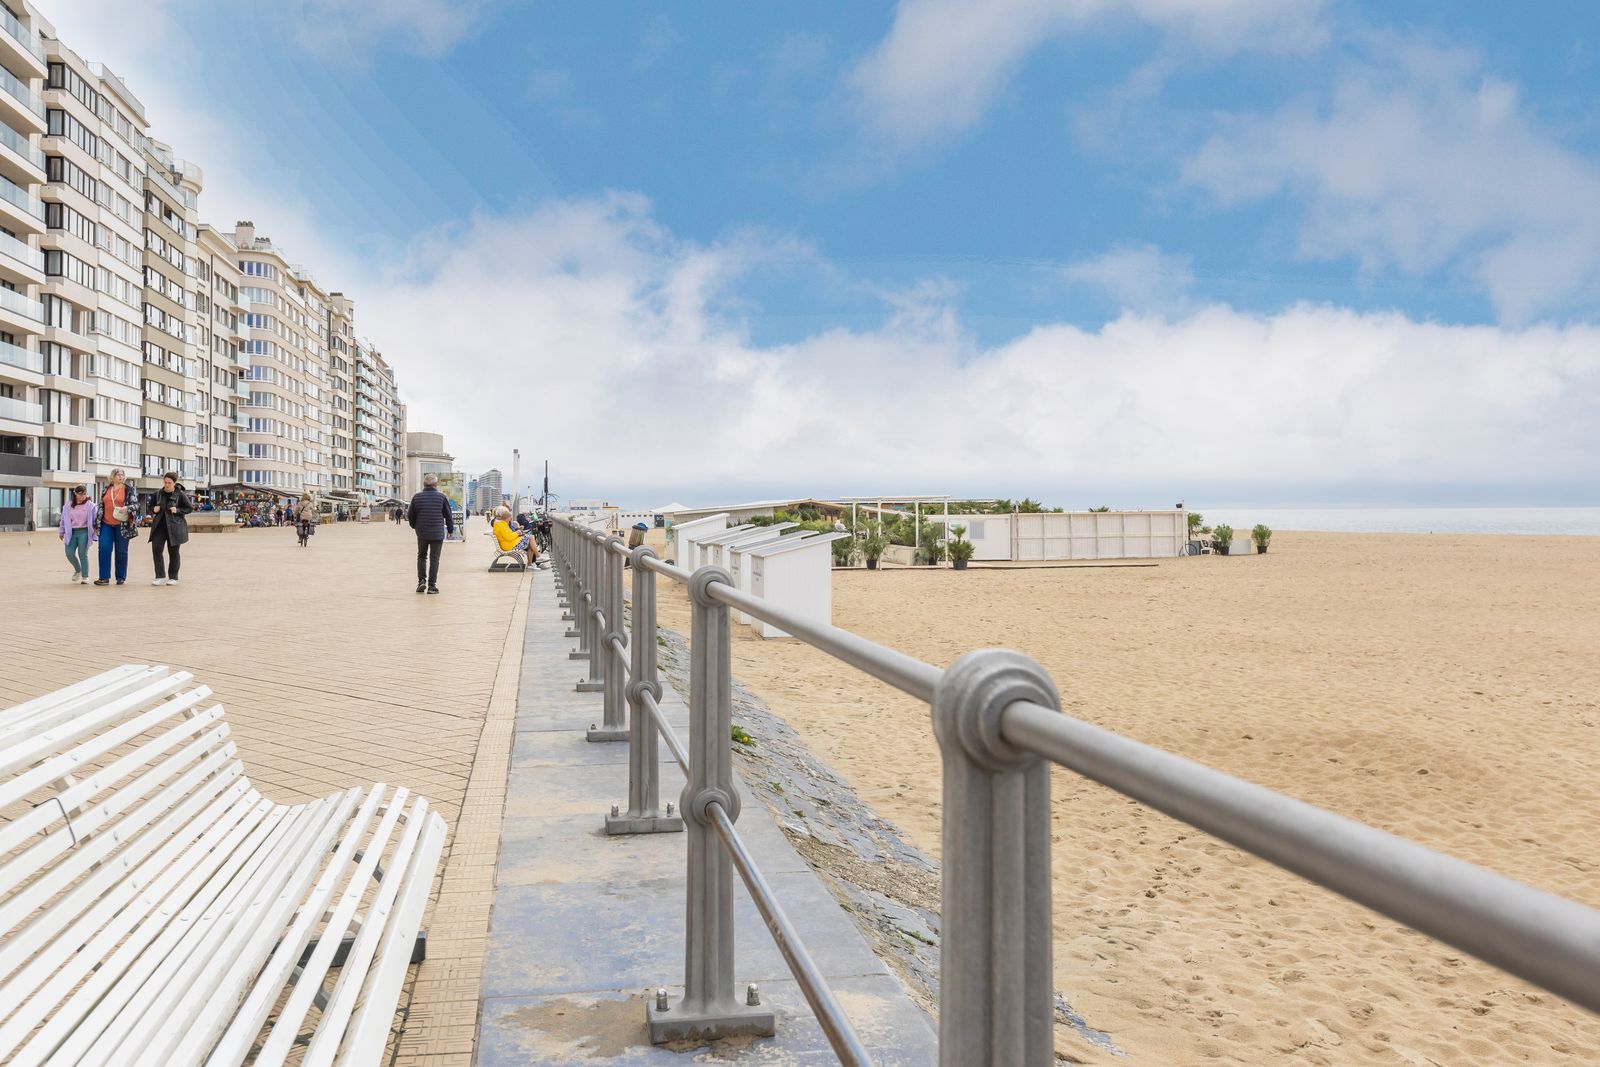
x,y
584,330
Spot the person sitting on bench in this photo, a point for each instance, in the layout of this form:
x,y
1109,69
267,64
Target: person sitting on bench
x,y
508,538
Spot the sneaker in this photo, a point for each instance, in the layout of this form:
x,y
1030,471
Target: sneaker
x,y
422,587
120,581
158,581
76,578
172,581
103,581
433,589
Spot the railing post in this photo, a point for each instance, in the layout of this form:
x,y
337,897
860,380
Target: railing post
x,y
614,723
996,993
593,592
644,768
709,1008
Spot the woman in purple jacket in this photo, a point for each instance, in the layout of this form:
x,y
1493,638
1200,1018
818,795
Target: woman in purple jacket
x,y
78,520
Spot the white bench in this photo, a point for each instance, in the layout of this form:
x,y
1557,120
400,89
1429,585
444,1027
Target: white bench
x,y
155,909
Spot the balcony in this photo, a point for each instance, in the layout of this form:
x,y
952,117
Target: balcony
x,y
22,35
15,195
20,146
14,410
16,250
21,305
31,103
15,467
21,358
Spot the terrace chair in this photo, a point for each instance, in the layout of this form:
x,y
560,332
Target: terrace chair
x,y
156,909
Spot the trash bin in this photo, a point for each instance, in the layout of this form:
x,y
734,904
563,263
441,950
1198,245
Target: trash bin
x,y
636,534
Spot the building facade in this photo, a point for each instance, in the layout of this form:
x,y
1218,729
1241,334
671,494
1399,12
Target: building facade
x,y
24,439
135,337
490,494
425,454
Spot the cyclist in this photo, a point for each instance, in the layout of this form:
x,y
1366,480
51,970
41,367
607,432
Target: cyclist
x,y
305,516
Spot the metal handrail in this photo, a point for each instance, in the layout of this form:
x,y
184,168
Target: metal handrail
x,y
997,718
597,587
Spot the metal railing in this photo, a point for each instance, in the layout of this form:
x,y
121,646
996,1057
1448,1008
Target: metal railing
x,y
998,721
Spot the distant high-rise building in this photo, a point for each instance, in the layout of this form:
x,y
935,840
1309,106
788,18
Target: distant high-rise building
x,y
425,454
489,493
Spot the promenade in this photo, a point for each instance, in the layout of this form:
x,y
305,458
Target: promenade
x,y
335,673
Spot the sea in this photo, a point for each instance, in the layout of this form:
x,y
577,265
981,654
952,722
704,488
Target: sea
x,y
1457,520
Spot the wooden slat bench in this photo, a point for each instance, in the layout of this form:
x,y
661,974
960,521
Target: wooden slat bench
x,y
155,909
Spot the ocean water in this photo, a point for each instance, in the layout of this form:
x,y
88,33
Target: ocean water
x,y
1413,520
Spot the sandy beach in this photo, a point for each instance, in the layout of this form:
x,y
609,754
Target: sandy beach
x,y
1446,688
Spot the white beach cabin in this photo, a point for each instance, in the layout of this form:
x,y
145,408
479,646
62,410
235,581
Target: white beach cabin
x,y
795,574
738,562
713,550
685,534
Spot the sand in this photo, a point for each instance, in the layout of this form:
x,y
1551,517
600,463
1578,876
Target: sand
x,y
1446,688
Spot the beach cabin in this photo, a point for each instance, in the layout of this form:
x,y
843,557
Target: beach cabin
x,y
713,550
685,534
1049,536
795,574
739,562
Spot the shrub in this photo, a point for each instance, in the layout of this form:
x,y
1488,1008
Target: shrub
x,y
1195,519
873,544
844,552
1223,536
1102,507
960,548
1261,534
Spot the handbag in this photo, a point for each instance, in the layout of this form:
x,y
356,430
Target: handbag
x,y
129,530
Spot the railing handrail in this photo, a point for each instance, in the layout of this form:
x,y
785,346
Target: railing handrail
x,y
808,976
1543,938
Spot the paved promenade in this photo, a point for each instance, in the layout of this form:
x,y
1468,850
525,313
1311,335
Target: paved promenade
x,y
334,673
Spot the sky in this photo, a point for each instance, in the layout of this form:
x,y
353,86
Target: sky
x,y
1121,252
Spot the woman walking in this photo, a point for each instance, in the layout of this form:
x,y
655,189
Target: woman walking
x,y
115,520
78,520
169,527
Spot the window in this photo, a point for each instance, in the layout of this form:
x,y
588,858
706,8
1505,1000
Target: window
x,y
975,530
64,265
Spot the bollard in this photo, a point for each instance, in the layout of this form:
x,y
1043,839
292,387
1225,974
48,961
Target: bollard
x,y
644,768
996,992
614,725
710,1008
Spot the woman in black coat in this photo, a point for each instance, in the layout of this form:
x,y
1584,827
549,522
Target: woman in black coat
x,y
169,527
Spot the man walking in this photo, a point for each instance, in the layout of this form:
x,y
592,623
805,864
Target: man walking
x,y
430,517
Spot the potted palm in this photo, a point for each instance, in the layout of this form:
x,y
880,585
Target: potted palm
x,y
1261,535
872,547
1222,536
960,548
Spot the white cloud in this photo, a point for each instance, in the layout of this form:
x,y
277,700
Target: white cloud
x,y
339,27
589,337
1421,162
1137,277
943,62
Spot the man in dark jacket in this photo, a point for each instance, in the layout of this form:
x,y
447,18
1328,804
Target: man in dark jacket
x,y
430,516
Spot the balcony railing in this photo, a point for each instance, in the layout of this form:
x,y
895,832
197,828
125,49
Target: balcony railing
x,y
21,34
20,144
17,250
998,721
15,193
10,83
17,356
22,305
21,411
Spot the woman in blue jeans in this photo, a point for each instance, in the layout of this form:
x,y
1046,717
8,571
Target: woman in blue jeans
x,y
116,515
78,520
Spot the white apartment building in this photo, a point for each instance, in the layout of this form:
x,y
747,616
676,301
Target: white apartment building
x,y
132,336
380,427
24,383
223,382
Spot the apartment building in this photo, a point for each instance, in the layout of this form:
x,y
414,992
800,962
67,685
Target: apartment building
x,y
24,383
281,444
489,493
223,379
380,427
133,336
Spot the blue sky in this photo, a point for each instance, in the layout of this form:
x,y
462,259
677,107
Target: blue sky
x,y
976,199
